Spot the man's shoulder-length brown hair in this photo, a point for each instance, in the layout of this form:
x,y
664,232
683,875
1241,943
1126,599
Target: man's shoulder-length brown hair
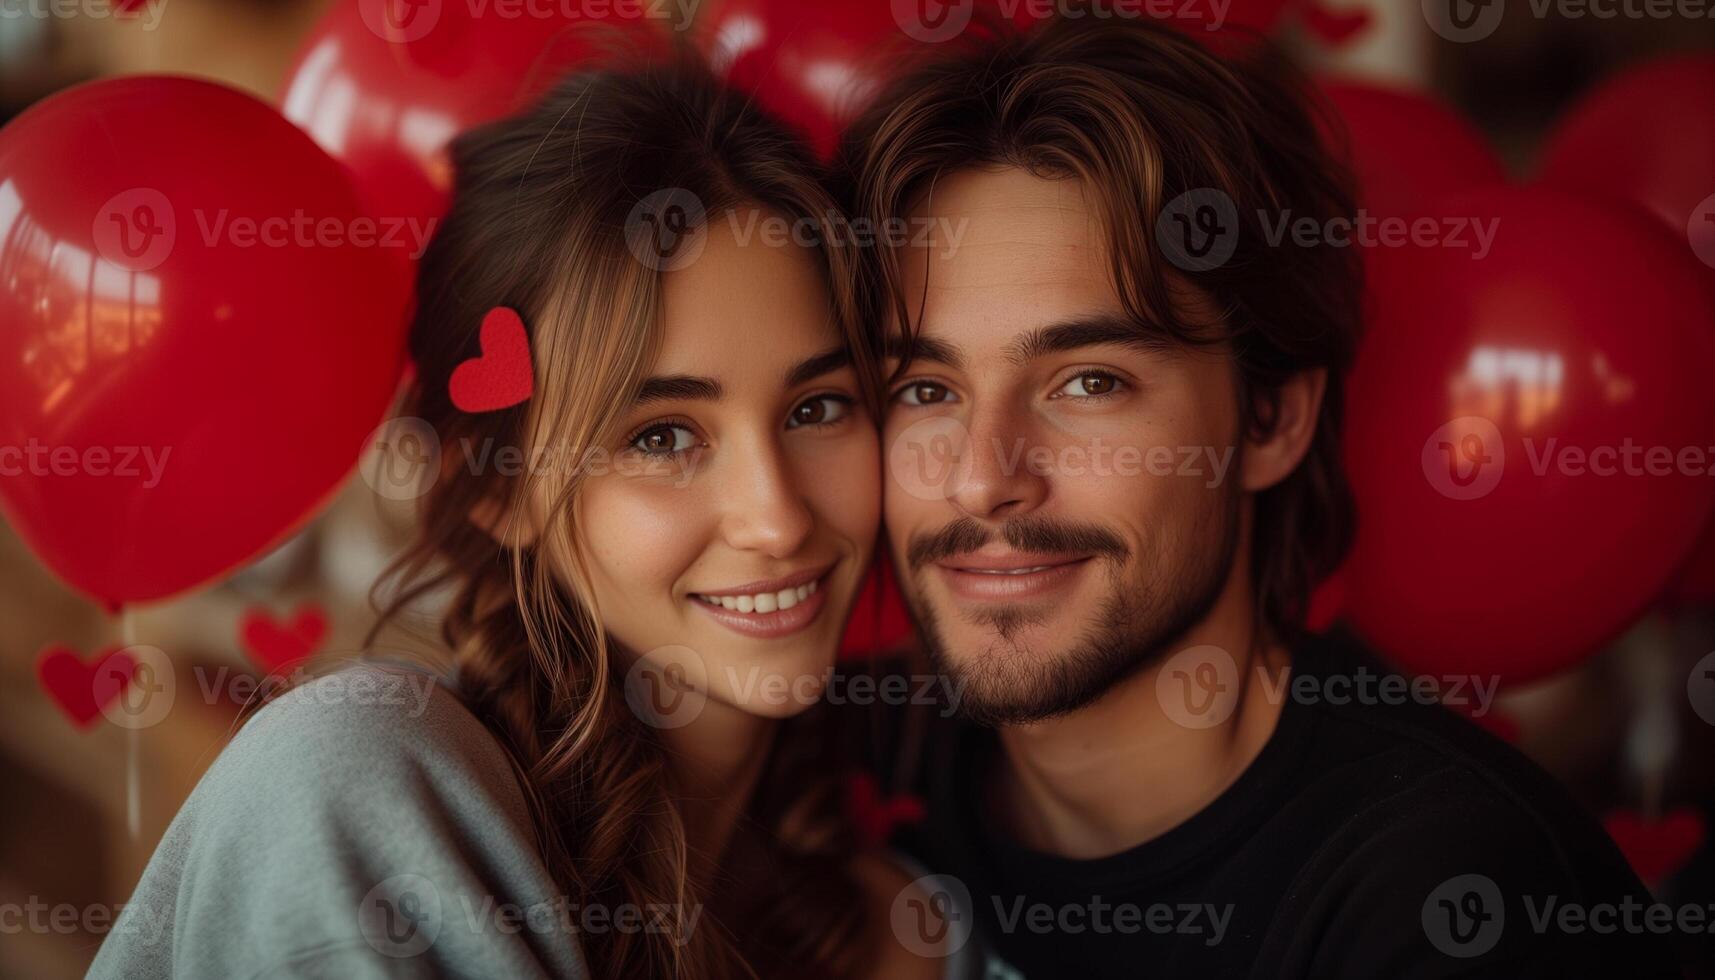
x,y
1143,115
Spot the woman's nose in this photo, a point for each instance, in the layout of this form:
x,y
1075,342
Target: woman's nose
x,y
765,508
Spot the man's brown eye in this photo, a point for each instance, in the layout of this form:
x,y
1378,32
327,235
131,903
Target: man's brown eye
x,y
1090,384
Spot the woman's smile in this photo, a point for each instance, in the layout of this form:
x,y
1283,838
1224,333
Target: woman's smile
x,y
770,608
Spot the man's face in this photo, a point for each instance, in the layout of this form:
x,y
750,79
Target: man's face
x,y
1062,496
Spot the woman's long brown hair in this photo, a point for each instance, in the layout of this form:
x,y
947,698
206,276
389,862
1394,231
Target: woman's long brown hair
x,y
542,209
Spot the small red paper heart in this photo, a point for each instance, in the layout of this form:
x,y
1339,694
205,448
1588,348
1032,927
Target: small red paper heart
x,y
83,689
1657,848
502,377
874,817
274,646
1335,28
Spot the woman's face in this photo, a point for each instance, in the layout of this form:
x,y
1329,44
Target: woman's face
x,y
728,540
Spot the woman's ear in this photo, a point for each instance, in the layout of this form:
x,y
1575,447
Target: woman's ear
x,y
1272,456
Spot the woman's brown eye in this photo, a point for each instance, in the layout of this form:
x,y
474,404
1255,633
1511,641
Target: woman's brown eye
x,y
821,410
662,440
1097,384
929,394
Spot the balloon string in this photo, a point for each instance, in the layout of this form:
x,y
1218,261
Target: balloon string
x,y
133,738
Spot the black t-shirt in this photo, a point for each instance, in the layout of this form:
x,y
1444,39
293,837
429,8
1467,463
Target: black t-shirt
x,y
1367,840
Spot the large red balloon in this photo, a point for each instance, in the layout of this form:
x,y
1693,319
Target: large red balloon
x,y
384,85
198,329
1516,428
1406,149
1646,136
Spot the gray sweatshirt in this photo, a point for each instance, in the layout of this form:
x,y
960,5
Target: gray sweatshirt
x,y
363,825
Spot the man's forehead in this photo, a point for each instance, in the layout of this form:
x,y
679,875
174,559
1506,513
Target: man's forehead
x,y
1006,250
1003,210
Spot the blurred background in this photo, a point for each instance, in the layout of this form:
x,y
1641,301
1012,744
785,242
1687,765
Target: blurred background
x,y
83,799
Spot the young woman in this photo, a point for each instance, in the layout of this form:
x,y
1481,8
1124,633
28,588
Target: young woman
x,y
629,781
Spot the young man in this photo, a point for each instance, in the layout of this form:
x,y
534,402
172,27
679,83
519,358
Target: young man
x,y
1114,479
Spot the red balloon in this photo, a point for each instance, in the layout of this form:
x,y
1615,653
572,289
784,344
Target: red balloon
x,y
1509,418
815,65
1647,136
1197,16
198,329
1260,16
1406,149
384,85
812,64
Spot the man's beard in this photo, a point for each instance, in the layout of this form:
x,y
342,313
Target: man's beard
x,y
1008,683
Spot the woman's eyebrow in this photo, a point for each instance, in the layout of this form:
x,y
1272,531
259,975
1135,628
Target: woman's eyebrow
x,y
813,367
678,387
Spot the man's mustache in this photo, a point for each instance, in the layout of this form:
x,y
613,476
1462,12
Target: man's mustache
x,y
1026,534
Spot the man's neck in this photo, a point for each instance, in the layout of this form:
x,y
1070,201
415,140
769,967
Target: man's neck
x,y
1137,763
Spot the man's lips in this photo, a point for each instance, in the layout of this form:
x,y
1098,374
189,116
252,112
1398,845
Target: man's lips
x,y
1012,577
1010,563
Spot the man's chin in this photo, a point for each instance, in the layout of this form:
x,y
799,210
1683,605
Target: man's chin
x,y
1015,673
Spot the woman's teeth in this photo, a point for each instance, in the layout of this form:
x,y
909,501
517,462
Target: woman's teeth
x,y
762,602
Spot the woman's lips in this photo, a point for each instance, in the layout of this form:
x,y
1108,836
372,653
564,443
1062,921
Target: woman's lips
x,y
766,614
1014,579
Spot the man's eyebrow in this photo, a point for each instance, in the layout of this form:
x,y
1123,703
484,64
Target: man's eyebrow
x,y
1088,331
811,368
676,387
924,349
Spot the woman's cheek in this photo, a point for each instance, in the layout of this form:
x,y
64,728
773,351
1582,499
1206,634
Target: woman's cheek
x,y
844,485
642,538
